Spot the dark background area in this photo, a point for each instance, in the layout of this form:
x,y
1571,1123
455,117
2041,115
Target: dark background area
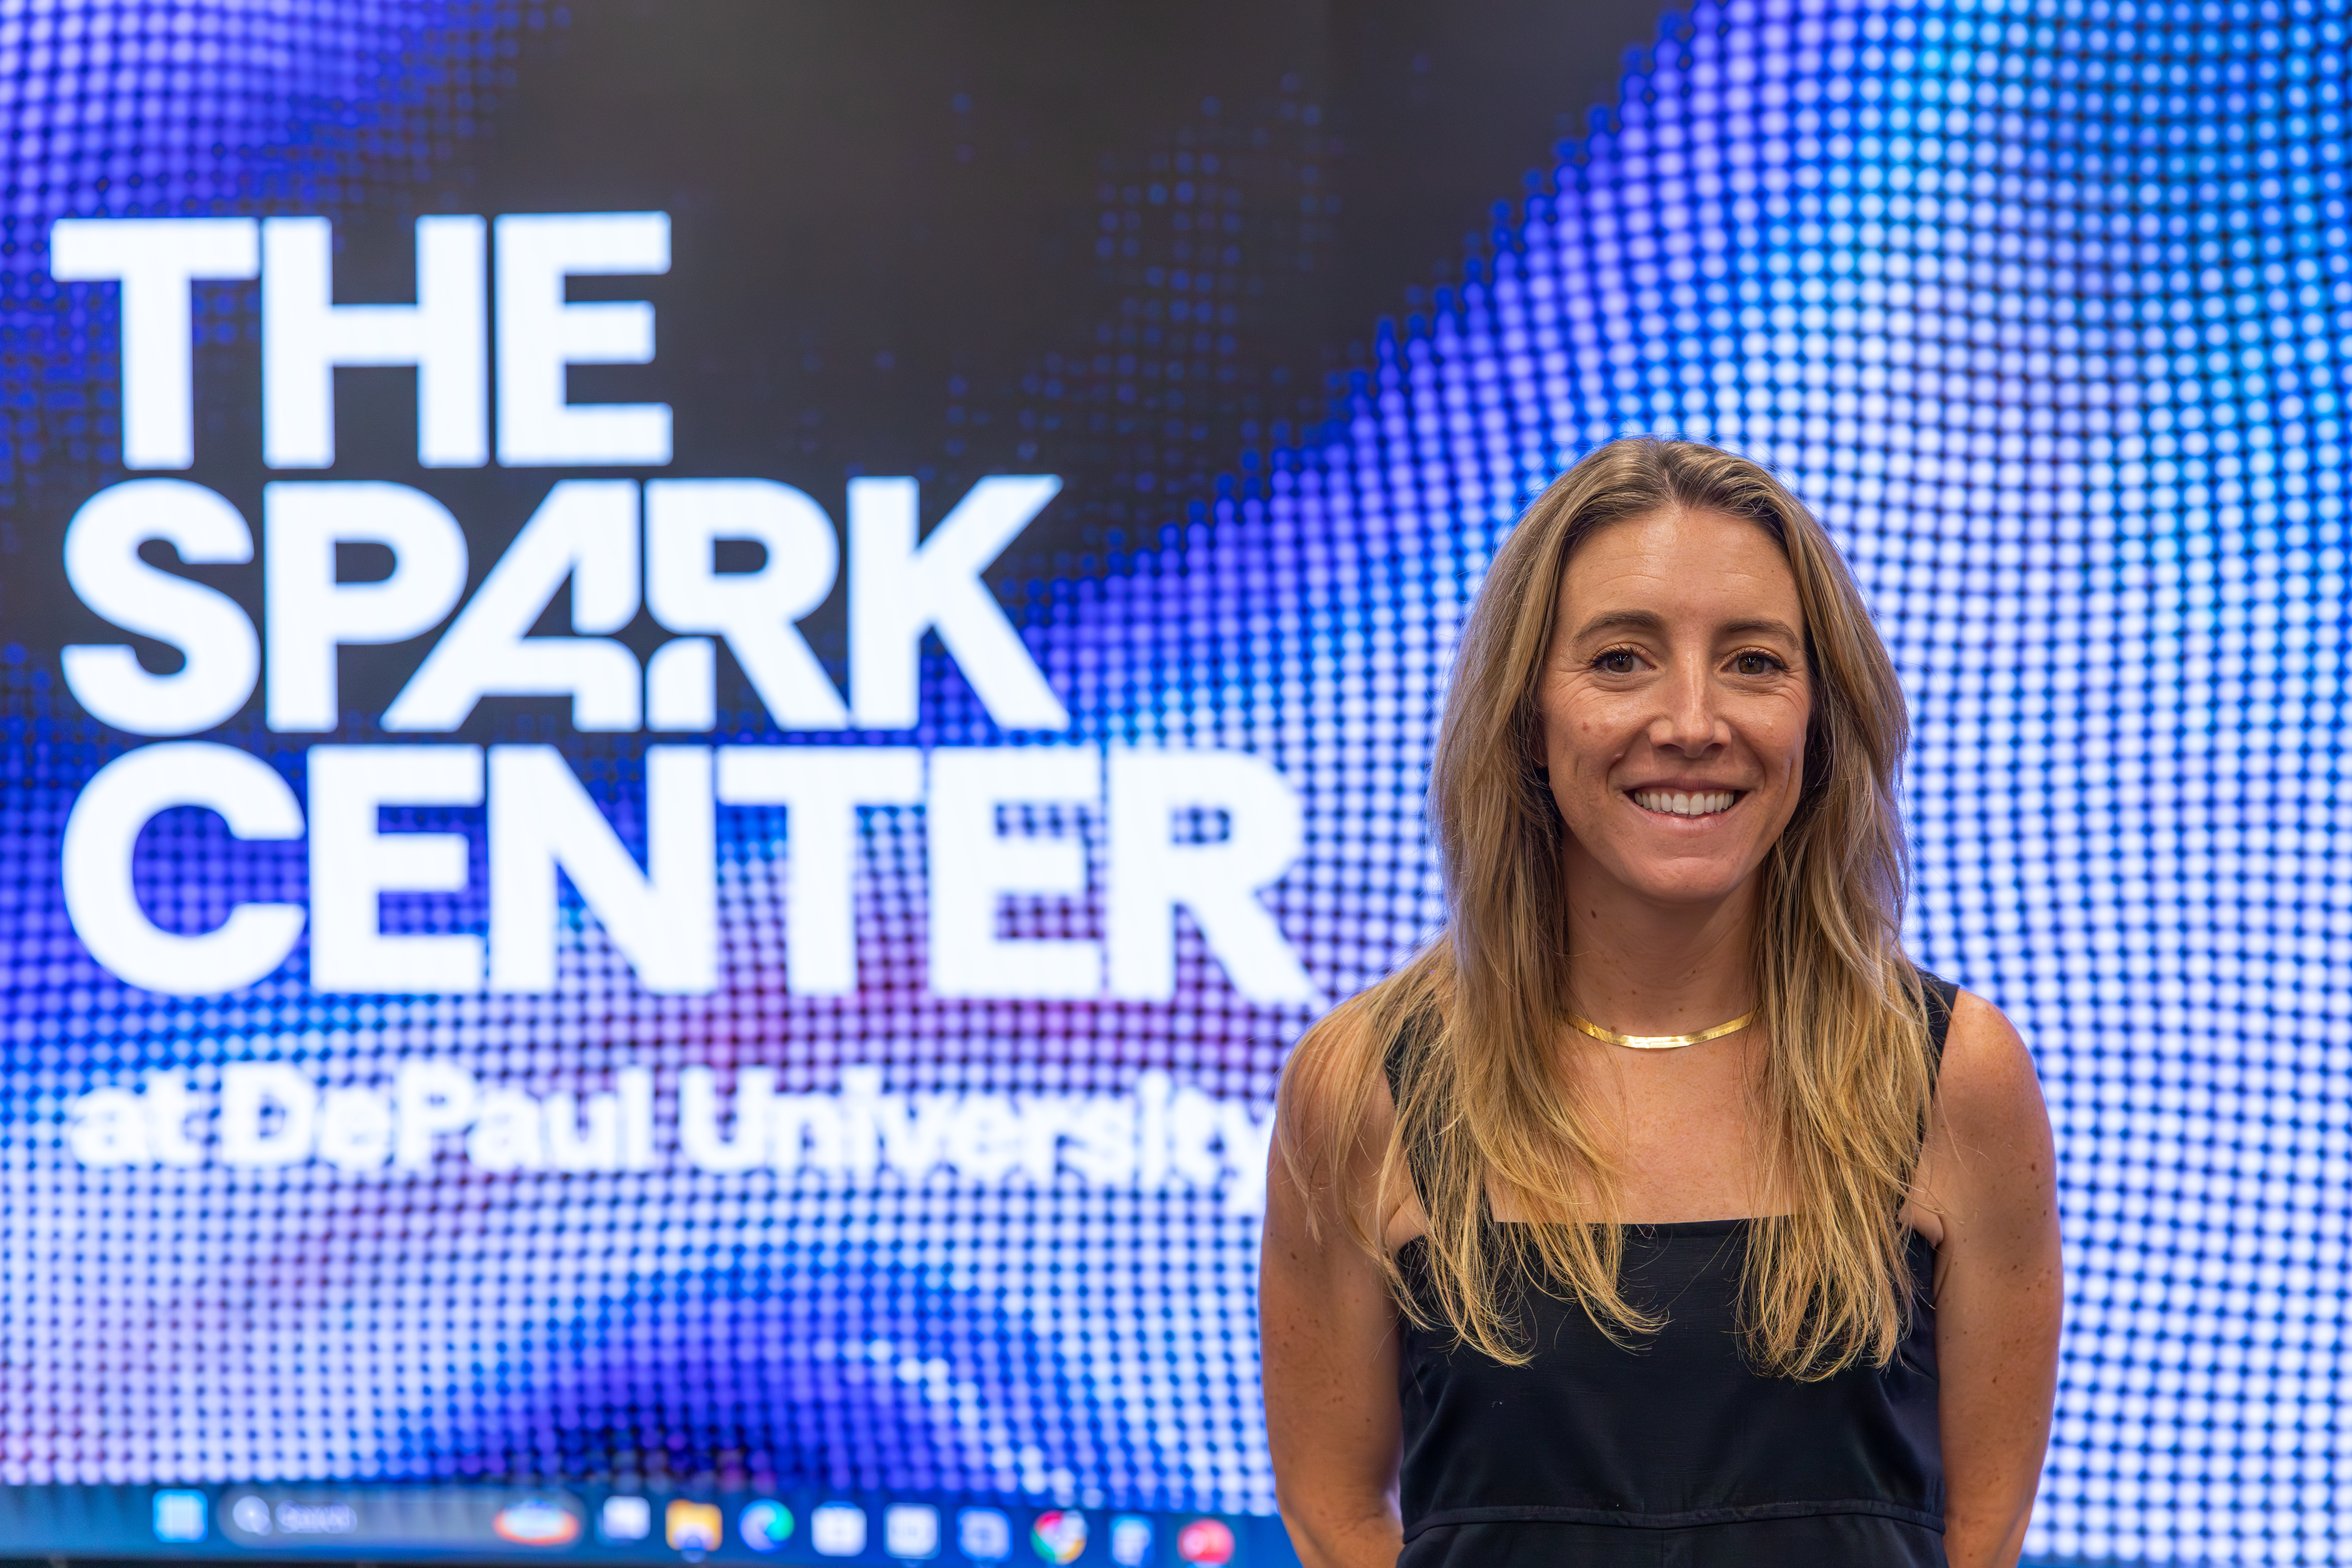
x,y
1131,246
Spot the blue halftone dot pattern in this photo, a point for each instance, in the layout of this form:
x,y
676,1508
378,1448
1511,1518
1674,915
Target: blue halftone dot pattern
x,y
201,108
1014,1338
2040,306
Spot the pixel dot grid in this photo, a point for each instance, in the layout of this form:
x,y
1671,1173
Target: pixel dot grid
x,y
2039,305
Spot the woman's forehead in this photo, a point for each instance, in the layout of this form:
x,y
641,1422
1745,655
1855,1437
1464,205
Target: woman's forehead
x,y
1680,561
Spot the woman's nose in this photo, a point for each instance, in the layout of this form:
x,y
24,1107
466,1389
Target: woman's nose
x,y
1688,723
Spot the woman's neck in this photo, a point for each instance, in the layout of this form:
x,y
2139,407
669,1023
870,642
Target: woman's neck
x,y
1641,967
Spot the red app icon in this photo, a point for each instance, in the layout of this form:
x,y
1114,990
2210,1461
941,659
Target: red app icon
x,y
1205,1541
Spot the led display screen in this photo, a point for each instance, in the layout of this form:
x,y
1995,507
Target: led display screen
x,y
694,702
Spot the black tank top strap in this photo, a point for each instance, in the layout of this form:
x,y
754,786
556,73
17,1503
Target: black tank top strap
x,y
1942,996
1403,1058
1404,1053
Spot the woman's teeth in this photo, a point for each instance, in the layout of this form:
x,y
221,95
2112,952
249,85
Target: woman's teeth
x,y
1675,804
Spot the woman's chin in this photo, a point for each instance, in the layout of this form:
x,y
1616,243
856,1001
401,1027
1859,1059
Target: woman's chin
x,y
1681,882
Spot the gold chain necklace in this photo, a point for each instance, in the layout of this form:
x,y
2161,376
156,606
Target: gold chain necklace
x,y
1661,1042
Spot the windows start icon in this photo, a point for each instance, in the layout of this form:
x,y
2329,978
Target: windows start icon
x,y
180,1516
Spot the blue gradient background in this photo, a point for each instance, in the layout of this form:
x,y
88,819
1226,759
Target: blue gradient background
x,y
2041,305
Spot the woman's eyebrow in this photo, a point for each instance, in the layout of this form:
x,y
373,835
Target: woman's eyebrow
x,y
1763,625
1651,621
1623,621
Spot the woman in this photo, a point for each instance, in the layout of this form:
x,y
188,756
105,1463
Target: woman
x,y
1659,1211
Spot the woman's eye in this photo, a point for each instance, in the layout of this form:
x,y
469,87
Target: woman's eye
x,y
1616,661
1756,664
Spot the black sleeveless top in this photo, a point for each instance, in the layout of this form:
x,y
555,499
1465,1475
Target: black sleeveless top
x,y
1672,1452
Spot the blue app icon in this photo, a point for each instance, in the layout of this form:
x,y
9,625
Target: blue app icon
x,y
765,1525
179,1516
1131,1541
984,1534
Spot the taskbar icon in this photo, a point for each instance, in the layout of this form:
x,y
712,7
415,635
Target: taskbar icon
x,y
628,1526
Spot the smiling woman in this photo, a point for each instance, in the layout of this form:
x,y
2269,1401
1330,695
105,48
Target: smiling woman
x,y
1676,1215
1675,703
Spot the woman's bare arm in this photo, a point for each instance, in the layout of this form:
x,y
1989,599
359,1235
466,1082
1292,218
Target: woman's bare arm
x,y
1990,1174
1328,1330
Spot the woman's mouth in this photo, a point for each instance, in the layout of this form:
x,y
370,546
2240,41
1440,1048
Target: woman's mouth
x,y
1679,802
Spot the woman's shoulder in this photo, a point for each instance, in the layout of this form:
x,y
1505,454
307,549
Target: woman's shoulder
x,y
1351,1061
1987,1151
1338,1069
1989,1170
1986,1081
1335,1118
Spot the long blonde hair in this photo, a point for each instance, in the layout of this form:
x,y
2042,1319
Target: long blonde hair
x,y
1484,1112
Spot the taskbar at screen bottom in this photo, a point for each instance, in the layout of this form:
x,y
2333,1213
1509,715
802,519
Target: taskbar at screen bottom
x,y
314,1522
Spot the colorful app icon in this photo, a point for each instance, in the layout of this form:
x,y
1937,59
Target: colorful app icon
x,y
179,1516
694,1526
910,1532
1131,1541
838,1530
984,1534
764,1525
535,1522
626,1519
1060,1535
1208,1541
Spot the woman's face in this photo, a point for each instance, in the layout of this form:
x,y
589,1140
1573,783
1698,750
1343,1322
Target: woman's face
x,y
1673,702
